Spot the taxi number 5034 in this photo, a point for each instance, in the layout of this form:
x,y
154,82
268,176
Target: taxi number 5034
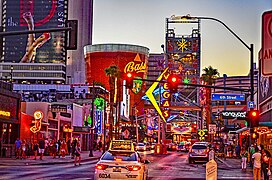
x,y
104,176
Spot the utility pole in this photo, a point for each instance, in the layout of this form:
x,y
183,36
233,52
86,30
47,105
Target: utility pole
x,y
92,124
137,130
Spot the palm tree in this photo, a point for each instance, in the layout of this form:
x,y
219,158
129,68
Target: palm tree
x,y
209,77
114,73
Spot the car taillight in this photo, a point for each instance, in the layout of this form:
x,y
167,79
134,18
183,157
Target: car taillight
x,y
133,168
101,166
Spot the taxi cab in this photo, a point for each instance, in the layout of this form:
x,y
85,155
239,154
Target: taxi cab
x,y
121,161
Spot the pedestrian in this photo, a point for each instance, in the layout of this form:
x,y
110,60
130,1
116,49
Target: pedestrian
x,y
69,146
100,145
244,155
266,158
238,150
54,148
251,152
58,149
28,149
18,143
77,154
73,148
35,149
63,148
41,148
23,149
256,157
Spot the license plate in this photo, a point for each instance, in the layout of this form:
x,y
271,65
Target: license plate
x,y
116,169
104,175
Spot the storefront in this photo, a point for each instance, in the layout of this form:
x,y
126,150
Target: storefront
x,y
9,121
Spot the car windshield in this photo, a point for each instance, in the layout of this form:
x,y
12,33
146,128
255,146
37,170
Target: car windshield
x,y
199,146
140,144
124,156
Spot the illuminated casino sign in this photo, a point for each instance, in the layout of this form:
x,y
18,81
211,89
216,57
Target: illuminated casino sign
x,y
38,115
233,114
136,66
22,15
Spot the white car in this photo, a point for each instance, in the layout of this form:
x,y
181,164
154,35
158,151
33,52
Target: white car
x,y
120,164
141,147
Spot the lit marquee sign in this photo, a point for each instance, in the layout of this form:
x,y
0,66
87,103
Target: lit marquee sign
x,y
38,115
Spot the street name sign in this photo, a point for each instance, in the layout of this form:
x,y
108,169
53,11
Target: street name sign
x,y
228,97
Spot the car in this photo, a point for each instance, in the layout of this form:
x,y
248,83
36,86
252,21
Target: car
x,y
198,152
172,147
148,146
121,164
153,145
183,147
141,147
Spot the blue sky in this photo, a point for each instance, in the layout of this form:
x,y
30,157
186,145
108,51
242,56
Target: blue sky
x,y
142,22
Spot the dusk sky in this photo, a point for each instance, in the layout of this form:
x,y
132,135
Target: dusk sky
x,y
142,22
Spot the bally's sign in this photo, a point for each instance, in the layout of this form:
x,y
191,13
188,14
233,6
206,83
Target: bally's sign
x,y
233,114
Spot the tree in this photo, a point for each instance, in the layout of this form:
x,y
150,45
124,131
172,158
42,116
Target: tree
x,y
209,77
114,74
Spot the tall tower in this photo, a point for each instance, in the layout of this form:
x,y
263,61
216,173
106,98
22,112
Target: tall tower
x,y
81,10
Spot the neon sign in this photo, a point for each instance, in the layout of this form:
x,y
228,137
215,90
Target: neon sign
x,y
132,66
5,113
149,94
38,115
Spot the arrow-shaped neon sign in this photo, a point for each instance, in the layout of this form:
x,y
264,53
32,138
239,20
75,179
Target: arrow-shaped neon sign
x,y
149,94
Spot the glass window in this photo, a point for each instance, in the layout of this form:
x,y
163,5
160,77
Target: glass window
x,y
124,156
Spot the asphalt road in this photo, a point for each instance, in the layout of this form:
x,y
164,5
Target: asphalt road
x,y
172,166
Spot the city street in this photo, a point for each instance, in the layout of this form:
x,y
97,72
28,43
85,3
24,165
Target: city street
x,y
170,166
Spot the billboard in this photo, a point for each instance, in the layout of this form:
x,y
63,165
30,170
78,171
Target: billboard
x,y
267,43
23,15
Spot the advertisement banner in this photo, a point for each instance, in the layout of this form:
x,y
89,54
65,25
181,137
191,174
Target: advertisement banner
x,y
18,15
267,43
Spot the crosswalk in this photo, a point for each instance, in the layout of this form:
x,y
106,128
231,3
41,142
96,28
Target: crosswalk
x,y
49,172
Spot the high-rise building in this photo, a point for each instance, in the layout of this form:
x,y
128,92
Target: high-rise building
x,y
81,10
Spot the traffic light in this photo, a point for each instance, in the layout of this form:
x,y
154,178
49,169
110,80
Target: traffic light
x,y
173,82
253,118
254,135
129,77
194,128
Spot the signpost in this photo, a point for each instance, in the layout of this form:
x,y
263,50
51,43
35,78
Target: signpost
x,y
228,97
212,128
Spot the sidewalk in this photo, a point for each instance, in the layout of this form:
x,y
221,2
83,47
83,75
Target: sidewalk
x,y
231,163
48,160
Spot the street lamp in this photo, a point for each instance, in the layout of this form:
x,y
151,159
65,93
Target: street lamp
x,y
250,48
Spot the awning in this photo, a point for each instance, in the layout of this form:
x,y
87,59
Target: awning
x,y
239,130
268,124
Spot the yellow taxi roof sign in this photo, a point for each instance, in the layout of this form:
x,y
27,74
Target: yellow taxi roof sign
x,y
121,145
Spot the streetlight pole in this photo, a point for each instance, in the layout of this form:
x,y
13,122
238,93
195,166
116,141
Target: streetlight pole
x,y
250,48
92,124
